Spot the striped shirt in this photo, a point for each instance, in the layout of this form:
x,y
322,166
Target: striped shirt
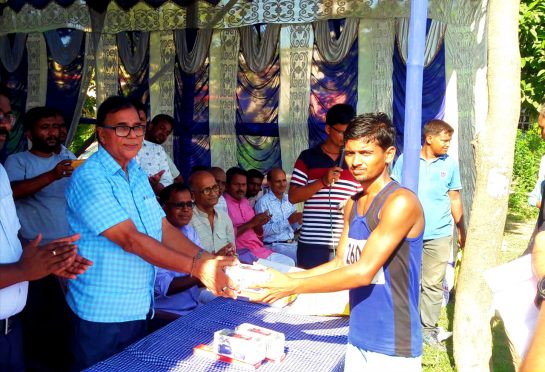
x,y
323,212
118,287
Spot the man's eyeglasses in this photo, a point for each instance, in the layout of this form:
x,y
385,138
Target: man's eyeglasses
x,y
341,132
125,130
7,118
209,190
181,205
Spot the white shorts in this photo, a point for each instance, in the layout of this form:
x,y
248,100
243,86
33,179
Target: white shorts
x,y
357,359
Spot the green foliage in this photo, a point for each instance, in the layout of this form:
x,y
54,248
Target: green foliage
x,y
532,51
529,149
84,132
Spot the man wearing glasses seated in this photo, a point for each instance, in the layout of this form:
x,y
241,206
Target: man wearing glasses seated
x,y
213,225
177,293
125,233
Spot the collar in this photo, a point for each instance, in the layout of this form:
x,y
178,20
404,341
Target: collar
x,y
229,198
203,214
108,162
441,157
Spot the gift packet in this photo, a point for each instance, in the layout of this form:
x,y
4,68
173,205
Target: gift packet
x,y
243,346
275,342
247,276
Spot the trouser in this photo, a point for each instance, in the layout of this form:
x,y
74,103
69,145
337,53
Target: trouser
x,y
11,345
312,255
436,253
287,249
93,342
359,360
46,327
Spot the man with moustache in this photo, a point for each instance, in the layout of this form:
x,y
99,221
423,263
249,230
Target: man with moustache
x,y
124,231
439,192
278,233
378,257
248,225
254,189
39,177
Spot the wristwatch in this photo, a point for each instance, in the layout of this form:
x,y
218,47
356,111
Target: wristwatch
x,y
540,295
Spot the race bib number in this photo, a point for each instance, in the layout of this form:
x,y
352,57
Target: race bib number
x,y
354,248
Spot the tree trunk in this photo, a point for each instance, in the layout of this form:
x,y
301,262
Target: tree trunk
x,y
494,165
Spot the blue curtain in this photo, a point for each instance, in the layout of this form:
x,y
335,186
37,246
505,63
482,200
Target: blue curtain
x,y
258,145
64,82
433,92
135,86
17,84
330,84
191,131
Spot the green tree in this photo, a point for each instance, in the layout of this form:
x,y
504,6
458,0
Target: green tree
x,y
532,51
494,148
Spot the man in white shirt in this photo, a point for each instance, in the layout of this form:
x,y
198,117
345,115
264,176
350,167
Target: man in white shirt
x,y
18,266
214,227
152,158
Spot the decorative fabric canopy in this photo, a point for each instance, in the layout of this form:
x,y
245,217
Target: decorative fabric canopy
x,y
249,84
161,15
97,5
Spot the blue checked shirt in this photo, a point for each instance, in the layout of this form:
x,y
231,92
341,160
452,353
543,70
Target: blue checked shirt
x,y
119,285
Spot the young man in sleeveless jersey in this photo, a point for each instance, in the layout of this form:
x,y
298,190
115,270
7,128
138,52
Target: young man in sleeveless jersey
x,y
378,258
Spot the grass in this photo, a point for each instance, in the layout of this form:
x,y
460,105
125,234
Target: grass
x,y
515,239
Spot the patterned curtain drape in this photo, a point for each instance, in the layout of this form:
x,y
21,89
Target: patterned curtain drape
x,y
133,73
16,80
331,83
191,115
258,95
65,60
433,87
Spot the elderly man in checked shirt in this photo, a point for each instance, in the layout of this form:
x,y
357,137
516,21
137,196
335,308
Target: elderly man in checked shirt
x,y
125,233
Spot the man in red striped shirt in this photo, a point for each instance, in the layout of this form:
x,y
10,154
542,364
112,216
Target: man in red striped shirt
x,y
323,186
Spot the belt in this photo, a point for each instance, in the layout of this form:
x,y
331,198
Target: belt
x,y
281,241
6,325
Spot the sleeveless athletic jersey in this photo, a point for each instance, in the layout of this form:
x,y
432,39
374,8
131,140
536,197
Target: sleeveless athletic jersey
x,y
384,316
322,217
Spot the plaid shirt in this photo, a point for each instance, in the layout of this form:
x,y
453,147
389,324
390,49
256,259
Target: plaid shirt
x,y
119,285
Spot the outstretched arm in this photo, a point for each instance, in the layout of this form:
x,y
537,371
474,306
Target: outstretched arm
x,y
400,217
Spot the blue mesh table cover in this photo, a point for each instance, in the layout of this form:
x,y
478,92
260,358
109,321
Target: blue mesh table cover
x,y
313,343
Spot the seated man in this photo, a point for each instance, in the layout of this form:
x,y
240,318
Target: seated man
x,y
220,177
152,158
278,233
254,186
213,226
177,292
247,224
